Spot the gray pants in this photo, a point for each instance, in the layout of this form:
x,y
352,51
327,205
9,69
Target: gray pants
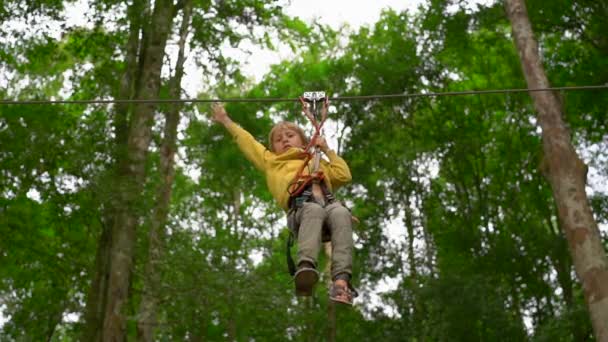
x,y
307,224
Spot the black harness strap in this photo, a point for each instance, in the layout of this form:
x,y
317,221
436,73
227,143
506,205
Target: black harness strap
x,y
291,266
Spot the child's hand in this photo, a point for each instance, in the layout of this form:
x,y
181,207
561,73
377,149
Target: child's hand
x,y
322,143
219,113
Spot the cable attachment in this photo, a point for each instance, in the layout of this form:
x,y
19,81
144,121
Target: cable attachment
x,y
313,97
309,107
317,96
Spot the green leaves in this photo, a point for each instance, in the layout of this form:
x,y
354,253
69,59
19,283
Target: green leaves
x,y
452,204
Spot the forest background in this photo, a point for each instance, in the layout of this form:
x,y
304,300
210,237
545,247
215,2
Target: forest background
x,y
143,221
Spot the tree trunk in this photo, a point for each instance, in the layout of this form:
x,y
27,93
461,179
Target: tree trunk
x,y
232,297
131,178
331,306
148,306
566,174
137,12
408,221
96,298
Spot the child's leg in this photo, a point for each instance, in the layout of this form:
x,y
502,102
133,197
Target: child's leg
x,y
310,219
340,224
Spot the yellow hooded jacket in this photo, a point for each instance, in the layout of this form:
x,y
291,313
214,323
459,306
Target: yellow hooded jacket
x,y
281,169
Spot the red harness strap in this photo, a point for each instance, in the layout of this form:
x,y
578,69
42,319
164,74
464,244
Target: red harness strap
x,y
301,181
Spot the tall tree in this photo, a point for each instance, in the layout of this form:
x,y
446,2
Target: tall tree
x,y
433,185
156,236
138,12
567,175
130,179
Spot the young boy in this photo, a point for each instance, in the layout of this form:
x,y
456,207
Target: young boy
x,y
308,213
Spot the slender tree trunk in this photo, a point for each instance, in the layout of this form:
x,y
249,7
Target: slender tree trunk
x,y
96,298
408,221
566,173
331,306
148,306
132,175
136,16
563,267
411,252
55,317
232,295
202,320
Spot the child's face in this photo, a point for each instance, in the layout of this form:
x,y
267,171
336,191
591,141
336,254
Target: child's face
x,y
284,139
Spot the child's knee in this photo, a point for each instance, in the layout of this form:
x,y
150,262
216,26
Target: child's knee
x,y
340,212
311,209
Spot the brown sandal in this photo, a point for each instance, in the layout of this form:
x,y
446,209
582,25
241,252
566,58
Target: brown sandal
x,y
341,294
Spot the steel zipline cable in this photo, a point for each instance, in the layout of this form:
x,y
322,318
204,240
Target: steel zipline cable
x,y
278,99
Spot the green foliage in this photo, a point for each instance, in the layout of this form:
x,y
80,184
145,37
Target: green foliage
x,y
453,207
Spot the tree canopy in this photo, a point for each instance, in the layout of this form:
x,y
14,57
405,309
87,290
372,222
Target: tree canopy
x,y
459,236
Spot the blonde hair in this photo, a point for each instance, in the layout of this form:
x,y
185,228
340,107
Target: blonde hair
x,y
286,125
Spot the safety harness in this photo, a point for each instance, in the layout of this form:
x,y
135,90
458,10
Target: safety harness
x,y
301,181
301,187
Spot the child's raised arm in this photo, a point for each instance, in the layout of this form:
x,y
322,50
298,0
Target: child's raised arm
x,y
219,114
251,148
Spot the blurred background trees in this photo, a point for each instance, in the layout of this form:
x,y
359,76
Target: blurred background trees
x,y
459,237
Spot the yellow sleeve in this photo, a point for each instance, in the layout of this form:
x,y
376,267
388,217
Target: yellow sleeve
x,y
337,170
251,148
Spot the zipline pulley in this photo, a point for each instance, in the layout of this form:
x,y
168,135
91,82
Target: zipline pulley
x,y
309,107
314,97
312,112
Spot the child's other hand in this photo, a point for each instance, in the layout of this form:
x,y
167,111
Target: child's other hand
x,y
322,143
219,113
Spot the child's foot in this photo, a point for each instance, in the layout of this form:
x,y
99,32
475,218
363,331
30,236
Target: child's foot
x,y
305,278
340,292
